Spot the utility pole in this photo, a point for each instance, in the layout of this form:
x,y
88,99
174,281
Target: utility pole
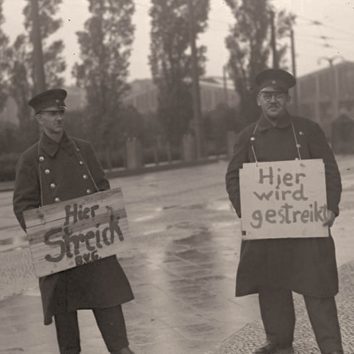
x,y
195,81
293,62
224,76
273,40
335,88
334,80
39,76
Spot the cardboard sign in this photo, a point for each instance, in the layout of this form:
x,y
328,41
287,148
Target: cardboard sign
x,y
283,199
77,231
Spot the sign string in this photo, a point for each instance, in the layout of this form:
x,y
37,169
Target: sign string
x,y
298,146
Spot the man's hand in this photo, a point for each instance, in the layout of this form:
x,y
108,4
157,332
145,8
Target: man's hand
x,y
329,218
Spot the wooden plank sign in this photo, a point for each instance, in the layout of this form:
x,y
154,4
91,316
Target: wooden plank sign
x,y
283,199
77,231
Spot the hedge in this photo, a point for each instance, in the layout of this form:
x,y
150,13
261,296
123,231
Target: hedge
x,y
8,166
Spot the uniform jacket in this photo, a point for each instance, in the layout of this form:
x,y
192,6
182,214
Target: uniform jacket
x,y
307,266
49,172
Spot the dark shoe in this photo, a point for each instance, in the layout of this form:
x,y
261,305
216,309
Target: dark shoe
x,y
126,350
288,350
268,348
271,348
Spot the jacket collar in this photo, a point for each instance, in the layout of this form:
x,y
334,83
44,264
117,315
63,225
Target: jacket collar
x,y
264,123
51,147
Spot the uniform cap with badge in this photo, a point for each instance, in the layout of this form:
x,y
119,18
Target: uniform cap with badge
x,y
49,100
276,79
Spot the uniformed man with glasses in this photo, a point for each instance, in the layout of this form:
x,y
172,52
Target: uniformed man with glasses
x,y
274,268
57,168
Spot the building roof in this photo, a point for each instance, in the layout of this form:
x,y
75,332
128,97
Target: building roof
x,y
342,64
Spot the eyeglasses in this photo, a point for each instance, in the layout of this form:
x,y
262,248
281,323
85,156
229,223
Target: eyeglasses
x,y
54,113
278,96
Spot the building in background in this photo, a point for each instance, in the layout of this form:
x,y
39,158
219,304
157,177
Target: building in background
x,y
144,95
326,94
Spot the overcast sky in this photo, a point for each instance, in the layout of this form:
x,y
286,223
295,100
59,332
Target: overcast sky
x,y
336,16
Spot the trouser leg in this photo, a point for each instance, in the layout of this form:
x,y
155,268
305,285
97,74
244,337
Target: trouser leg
x,y
111,323
68,334
278,316
324,320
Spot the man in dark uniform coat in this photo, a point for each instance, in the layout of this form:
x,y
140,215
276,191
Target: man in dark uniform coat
x,y
274,268
59,168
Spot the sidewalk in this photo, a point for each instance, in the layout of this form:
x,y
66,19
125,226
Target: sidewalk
x,y
251,336
181,262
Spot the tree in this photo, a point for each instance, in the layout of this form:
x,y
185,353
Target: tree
x,y
21,59
8,139
105,47
20,81
170,61
248,44
285,21
219,121
4,63
54,63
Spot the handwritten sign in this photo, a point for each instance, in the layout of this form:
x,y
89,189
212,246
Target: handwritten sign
x,y
283,199
77,231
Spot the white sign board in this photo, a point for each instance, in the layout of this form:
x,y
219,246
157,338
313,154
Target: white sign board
x,y
283,199
77,231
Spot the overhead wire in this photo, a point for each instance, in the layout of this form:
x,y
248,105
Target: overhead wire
x,y
327,41
321,24
301,17
323,37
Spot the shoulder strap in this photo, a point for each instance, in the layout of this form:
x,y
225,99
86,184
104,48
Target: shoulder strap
x,y
79,157
39,175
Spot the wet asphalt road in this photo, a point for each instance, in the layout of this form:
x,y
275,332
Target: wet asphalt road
x,y
181,261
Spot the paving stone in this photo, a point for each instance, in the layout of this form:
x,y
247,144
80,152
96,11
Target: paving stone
x,y
251,336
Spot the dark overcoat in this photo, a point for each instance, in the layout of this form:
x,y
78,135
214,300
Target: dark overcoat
x,y
307,266
49,172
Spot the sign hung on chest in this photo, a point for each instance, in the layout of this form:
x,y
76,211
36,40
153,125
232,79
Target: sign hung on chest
x,y
77,231
283,199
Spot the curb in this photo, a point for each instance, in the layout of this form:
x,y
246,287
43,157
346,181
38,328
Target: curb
x,y
8,186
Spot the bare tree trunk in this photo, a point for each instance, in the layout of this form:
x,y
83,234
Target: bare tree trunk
x,y
169,153
156,154
108,158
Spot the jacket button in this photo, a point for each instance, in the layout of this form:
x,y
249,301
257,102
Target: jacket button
x,y
52,185
81,162
253,138
41,158
47,171
84,176
301,133
57,199
298,145
88,191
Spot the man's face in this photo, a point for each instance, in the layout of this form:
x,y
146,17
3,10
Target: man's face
x,y
272,102
51,120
